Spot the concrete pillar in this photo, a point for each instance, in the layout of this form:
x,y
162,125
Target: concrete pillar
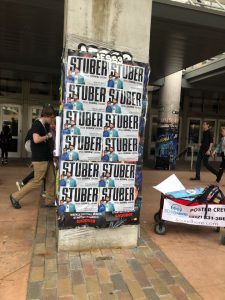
x,y
169,105
116,25
122,25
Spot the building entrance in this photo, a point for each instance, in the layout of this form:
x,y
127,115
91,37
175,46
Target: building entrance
x,y
10,114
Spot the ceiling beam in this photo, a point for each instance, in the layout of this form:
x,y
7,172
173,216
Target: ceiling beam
x,y
209,70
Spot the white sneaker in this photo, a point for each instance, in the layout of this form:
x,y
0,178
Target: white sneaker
x,y
19,185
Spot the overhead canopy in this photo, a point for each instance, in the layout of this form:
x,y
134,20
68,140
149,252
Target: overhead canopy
x,y
183,35
31,37
210,76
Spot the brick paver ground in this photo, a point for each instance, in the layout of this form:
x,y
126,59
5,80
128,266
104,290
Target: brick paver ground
x,y
143,272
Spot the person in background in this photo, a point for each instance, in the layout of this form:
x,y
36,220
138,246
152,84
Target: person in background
x,y
26,179
204,151
42,160
220,148
5,141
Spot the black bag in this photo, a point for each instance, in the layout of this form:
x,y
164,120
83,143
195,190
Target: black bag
x,y
211,194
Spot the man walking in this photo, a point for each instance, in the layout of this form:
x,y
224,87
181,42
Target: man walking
x,y
42,159
204,151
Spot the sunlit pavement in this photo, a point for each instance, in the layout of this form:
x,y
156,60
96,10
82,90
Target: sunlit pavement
x,y
173,266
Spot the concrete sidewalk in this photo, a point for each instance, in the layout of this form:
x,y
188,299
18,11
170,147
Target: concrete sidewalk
x,y
195,250
16,235
143,272
32,268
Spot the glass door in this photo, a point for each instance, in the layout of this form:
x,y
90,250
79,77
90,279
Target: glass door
x,y
193,137
34,113
10,114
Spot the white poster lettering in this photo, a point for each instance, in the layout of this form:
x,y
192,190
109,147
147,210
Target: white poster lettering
x,y
84,199
117,199
79,174
83,123
117,175
104,73
103,99
81,148
120,149
116,125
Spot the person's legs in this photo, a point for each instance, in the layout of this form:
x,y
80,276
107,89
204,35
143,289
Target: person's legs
x,y
50,184
207,165
6,154
24,181
3,154
198,164
221,168
40,169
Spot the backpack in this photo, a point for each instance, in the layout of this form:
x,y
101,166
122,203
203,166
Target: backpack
x,y
211,194
27,141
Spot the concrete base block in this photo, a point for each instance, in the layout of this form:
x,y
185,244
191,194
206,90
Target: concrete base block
x,y
78,239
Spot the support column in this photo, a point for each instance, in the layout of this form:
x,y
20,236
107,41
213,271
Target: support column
x,y
114,27
167,134
120,25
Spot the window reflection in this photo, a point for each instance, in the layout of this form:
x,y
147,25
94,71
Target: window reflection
x,y
194,130
10,118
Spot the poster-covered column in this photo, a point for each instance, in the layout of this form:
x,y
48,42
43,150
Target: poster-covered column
x,y
104,104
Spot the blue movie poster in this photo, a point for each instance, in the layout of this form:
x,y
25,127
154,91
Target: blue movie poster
x,y
166,147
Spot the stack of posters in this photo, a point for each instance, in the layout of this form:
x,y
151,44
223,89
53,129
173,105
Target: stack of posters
x,y
103,118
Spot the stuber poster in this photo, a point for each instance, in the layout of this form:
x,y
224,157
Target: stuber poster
x,y
103,117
